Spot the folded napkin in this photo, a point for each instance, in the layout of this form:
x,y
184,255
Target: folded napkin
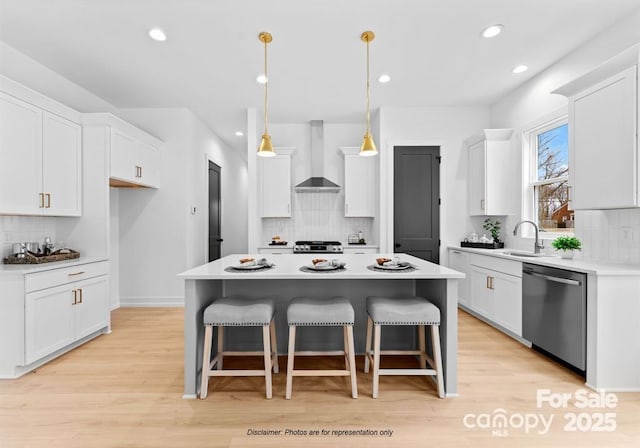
x,y
264,262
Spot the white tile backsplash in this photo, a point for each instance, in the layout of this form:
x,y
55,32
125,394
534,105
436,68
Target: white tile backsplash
x,y
317,216
610,235
14,229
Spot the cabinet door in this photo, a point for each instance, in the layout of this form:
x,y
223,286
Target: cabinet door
x,y
459,261
482,300
92,307
603,148
507,309
20,157
359,186
61,166
477,185
276,186
147,162
49,321
123,155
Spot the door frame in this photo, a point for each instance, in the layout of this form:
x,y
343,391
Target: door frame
x,y
207,159
386,197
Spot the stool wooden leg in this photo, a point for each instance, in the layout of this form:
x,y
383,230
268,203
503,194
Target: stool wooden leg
x,y
274,346
220,346
437,358
376,359
367,348
352,360
290,356
206,359
422,345
267,359
345,340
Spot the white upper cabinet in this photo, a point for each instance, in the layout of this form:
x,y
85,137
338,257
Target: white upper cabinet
x,y
133,154
489,170
275,182
603,135
359,184
40,154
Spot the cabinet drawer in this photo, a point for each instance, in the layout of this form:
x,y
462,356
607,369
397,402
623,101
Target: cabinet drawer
x,y
511,267
61,276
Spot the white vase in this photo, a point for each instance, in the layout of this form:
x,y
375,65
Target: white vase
x,y
567,254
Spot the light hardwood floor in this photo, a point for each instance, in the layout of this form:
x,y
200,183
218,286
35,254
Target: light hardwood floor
x,y
124,390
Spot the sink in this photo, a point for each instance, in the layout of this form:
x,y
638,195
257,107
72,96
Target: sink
x,y
521,253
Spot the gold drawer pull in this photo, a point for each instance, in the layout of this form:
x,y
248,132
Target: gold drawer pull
x,y
76,273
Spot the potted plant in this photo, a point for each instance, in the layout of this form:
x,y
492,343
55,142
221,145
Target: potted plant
x,y
493,226
567,244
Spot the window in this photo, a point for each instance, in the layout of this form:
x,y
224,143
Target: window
x,y
548,192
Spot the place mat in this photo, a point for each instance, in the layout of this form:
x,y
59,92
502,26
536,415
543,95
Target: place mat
x,y
327,271
258,269
375,269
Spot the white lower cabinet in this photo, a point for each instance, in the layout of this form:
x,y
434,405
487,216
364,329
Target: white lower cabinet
x,y
494,288
49,312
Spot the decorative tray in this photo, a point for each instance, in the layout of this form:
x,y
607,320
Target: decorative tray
x,y
482,245
31,258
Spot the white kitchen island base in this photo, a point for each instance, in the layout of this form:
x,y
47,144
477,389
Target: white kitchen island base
x,y
285,281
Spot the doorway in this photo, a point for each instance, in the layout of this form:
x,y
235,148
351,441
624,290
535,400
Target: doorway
x,y
416,201
215,237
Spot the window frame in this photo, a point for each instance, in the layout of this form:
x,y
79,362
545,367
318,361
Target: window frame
x,y
530,171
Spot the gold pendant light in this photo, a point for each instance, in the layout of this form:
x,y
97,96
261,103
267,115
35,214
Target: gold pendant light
x,y
266,147
368,147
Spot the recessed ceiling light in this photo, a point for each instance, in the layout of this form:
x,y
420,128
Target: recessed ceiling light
x,y
519,69
157,34
384,78
492,31
239,133
262,79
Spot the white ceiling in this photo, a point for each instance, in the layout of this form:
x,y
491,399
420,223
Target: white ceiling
x,y
431,48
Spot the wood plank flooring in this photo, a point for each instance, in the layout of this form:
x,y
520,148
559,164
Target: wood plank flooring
x,y
124,390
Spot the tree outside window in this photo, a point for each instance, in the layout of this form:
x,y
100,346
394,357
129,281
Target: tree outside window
x,y
550,180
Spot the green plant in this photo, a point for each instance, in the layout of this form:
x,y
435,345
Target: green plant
x,y
493,226
567,243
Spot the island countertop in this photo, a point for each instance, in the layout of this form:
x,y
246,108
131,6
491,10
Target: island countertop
x,y
287,267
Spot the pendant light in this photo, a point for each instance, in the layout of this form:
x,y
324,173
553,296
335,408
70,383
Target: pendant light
x,y
368,147
266,147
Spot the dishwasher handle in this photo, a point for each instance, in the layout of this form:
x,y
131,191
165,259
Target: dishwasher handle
x,y
566,281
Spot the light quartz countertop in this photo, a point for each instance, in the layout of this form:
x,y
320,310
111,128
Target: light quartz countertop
x,y
554,261
22,269
287,266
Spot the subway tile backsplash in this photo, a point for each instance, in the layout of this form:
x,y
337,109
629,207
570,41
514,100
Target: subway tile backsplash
x,y
610,235
316,216
14,229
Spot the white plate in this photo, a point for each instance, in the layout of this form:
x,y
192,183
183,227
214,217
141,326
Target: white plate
x,y
392,268
249,268
323,268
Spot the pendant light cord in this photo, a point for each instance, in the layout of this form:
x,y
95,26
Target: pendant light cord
x,y
266,97
368,116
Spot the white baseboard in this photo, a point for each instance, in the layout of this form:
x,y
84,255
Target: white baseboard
x,y
140,302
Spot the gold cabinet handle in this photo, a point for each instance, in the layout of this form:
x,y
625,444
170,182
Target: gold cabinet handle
x,y
41,199
48,200
488,287
76,273
140,171
481,204
75,297
80,300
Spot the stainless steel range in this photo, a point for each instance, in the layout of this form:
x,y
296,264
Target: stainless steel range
x,y
317,247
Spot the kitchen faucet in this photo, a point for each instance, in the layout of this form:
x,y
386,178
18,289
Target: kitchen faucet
x,y
537,246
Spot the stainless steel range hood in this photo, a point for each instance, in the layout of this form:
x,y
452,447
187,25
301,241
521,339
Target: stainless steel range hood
x,y
317,183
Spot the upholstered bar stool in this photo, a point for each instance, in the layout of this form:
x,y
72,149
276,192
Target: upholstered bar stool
x,y
239,312
403,311
307,312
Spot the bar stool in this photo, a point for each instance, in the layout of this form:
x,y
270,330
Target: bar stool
x,y
306,312
403,311
239,312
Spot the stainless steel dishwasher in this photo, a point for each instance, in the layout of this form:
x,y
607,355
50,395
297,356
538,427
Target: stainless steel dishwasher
x,y
554,312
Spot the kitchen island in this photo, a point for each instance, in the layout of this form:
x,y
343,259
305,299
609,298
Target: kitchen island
x,y
286,280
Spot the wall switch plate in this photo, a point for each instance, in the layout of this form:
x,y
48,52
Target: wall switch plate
x,y
193,209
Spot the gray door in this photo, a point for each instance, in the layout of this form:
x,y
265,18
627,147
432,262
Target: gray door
x,y
416,201
215,238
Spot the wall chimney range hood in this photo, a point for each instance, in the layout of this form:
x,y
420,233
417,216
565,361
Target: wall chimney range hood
x,y
317,183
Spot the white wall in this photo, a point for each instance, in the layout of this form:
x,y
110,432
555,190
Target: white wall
x,y
447,127
159,236
607,235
